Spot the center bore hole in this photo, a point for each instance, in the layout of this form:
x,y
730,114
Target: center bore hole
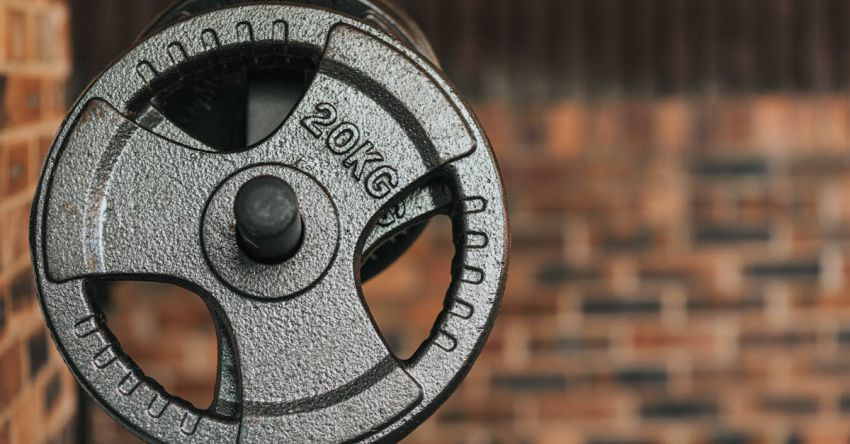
x,y
269,227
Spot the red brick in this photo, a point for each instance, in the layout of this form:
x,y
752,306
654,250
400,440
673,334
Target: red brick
x,y
28,422
16,37
774,123
23,101
672,125
499,120
53,99
14,237
587,409
567,129
11,374
606,125
14,169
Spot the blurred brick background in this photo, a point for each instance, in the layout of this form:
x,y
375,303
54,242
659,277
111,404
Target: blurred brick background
x,y
676,172
38,398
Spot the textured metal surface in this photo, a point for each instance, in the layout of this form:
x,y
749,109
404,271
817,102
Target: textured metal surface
x,y
382,14
321,236
267,96
306,362
268,220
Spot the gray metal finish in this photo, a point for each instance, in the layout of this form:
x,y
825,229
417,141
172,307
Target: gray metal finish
x,y
267,96
382,14
304,361
271,281
268,220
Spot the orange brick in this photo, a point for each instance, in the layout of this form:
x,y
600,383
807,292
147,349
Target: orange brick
x,y
606,125
11,374
28,422
774,123
672,125
23,101
53,95
566,129
832,124
732,123
16,232
14,169
499,120
16,34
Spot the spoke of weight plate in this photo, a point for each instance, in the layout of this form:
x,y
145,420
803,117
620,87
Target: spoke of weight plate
x,y
137,212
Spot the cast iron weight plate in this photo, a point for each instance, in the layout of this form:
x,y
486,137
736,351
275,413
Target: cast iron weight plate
x,y
240,105
119,202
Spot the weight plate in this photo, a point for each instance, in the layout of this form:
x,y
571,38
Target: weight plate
x,y
222,110
228,110
117,201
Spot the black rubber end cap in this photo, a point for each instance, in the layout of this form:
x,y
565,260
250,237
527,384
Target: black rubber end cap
x,y
269,227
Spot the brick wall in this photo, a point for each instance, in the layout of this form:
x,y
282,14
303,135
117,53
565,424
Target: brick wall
x,y
676,172
37,394
679,274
